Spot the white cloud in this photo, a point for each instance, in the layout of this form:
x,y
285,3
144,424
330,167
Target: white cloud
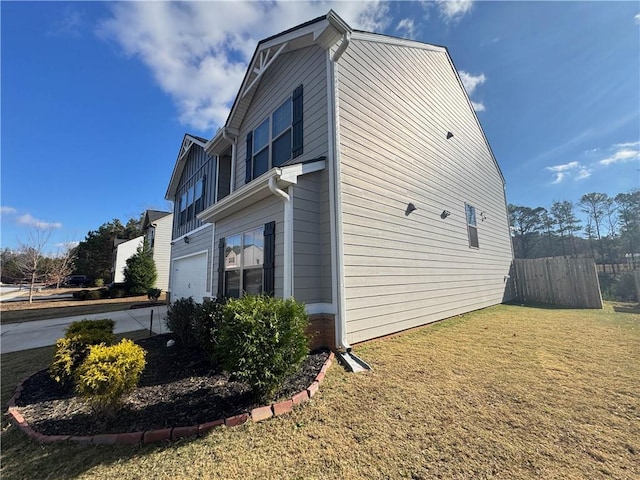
x,y
563,171
65,245
71,23
478,106
637,18
453,10
407,26
470,83
30,221
198,51
7,210
622,152
583,173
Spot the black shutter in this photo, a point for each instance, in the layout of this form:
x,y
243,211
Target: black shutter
x,y
247,165
221,246
297,125
268,264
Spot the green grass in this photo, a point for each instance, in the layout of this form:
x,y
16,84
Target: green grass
x,y
506,392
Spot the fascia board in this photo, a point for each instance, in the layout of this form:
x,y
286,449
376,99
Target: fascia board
x,y
401,42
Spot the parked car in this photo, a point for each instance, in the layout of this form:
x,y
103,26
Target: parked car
x,y
78,281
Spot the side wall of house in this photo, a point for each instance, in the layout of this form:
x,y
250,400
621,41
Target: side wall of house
x,y
251,218
306,66
125,251
162,250
198,164
396,105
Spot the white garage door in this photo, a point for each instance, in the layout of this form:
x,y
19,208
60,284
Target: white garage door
x,y
190,277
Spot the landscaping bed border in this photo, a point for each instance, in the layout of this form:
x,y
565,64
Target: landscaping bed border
x,y
258,414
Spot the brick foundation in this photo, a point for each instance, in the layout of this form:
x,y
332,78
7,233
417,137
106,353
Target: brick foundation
x,y
321,330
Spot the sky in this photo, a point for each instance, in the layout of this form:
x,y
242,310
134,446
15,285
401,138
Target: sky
x,y
96,97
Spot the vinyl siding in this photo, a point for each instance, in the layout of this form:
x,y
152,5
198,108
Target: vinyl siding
x,y
252,217
306,66
198,164
198,242
312,280
162,250
395,107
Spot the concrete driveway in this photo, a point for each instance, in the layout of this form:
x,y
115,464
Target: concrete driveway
x,y
40,333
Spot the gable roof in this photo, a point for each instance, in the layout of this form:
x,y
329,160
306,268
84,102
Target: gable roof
x,y
187,142
151,216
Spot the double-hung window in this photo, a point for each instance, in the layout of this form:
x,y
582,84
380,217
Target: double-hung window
x,y
277,139
199,196
192,201
183,208
472,226
243,263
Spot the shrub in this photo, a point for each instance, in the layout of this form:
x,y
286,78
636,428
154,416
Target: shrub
x,y
93,295
153,294
80,294
206,326
73,348
180,318
140,272
618,287
98,282
262,341
108,373
117,293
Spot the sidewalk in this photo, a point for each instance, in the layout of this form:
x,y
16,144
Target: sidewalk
x,y
40,333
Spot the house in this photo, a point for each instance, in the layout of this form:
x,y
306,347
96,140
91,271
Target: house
x,y
198,181
122,251
360,178
157,227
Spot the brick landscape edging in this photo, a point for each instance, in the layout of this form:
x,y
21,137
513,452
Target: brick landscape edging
x,y
258,414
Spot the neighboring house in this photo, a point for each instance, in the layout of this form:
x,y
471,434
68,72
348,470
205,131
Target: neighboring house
x,y
157,227
361,175
122,251
198,180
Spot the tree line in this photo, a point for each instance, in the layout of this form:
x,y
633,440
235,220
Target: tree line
x,y
33,263
609,231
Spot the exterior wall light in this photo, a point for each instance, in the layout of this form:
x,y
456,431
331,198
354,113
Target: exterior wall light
x,y
410,208
445,214
449,135
186,239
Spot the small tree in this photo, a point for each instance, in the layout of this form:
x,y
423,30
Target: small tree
x,y
31,256
140,273
62,264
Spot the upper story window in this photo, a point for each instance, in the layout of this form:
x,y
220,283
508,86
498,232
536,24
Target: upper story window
x,y
472,226
277,139
192,201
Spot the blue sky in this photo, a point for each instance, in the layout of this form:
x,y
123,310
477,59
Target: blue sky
x,y
96,97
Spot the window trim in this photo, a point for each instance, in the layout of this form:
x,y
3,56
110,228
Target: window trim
x,y
472,226
240,266
271,139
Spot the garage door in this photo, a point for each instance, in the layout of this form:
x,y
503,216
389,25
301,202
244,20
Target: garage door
x,y
190,277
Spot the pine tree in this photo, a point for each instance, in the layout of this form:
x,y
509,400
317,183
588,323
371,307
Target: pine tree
x,y
140,273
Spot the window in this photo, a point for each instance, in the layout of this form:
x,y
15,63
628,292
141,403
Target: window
x,y
472,227
277,139
199,196
192,201
243,263
183,209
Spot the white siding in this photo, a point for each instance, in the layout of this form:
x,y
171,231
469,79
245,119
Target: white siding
x,y
199,241
124,251
311,240
396,105
306,66
162,250
250,218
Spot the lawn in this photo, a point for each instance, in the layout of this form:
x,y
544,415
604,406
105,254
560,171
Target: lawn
x,y
506,392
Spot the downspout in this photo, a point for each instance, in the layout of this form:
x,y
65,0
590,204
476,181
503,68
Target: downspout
x,y
287,288
342,343
233,142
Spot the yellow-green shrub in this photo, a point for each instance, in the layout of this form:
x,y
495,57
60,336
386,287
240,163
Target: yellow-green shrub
x,y
108,373
74,347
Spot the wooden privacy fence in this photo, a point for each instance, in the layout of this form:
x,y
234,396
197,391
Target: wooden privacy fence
x,y
566,282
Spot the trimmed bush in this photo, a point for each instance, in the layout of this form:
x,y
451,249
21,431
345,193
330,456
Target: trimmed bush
x,y
80,294
98,282
153,294
108,373
180,318
206,326
117,293
262,341
74,347
93,295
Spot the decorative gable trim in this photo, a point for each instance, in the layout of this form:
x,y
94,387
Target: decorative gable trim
x,y
187,142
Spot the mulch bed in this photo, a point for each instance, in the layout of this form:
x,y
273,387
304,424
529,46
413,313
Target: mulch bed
x,y
178,387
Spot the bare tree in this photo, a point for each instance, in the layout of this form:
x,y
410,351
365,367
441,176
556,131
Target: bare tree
x,y
62,264
30,259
